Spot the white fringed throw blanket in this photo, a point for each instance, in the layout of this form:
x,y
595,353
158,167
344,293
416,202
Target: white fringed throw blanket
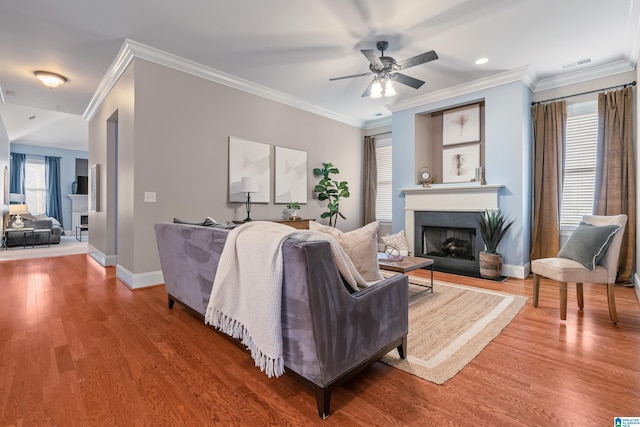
x,y
246,296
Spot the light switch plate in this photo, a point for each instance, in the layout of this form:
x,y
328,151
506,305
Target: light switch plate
x,y
150,196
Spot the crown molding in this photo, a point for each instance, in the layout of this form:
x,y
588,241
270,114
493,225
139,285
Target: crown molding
x,y
377,123
131,49
523,74
633,34
119,64
599,71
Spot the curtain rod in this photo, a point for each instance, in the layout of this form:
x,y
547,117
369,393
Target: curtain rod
x,y
377,134
633,83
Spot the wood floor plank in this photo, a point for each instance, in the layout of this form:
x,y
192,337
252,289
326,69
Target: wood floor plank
x,y
77,347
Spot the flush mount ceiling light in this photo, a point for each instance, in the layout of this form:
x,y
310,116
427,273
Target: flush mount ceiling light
x,y
482,61
50,80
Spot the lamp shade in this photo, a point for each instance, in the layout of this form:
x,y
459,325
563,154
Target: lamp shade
x,y
248,184
18,209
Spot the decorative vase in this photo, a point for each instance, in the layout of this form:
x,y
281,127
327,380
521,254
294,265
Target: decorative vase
x,y
490,265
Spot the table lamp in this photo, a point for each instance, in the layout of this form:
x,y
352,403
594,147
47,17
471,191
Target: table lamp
x,y
17,210
248,185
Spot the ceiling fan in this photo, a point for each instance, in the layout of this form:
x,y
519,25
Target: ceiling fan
x,y
385,70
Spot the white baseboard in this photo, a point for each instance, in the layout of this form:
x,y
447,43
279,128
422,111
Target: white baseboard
x,y
100,258
517,271
133,281
141,280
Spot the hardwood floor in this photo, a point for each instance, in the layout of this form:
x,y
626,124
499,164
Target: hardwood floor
x,y
79,348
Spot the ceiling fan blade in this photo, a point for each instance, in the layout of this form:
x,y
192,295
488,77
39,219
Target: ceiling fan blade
x,y
372,57
367,92
409,81
419,59
351,76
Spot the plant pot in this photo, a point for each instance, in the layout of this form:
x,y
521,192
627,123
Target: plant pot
x,y
490,265
289,213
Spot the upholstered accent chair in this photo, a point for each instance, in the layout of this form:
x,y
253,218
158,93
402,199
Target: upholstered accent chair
x,y
589,256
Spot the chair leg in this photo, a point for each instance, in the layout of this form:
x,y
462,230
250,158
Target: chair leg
x,y
563,300
580,295
536,289
613,313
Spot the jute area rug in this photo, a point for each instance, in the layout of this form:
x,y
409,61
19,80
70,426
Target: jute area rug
x,y
451,326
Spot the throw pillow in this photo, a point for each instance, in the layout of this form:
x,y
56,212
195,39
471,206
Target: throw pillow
x,y
360,245
588,244
398,241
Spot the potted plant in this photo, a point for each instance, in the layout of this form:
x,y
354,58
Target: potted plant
x,y
331,190
292,210
493,227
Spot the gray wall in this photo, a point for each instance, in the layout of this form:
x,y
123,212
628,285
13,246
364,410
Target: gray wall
x,y
173,140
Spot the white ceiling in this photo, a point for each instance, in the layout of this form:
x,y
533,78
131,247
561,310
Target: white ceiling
x,y
295,46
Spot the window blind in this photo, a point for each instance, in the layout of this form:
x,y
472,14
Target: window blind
x,y
384,194
579,169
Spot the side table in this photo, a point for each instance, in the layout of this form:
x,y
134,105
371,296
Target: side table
x,y
80,229
24,232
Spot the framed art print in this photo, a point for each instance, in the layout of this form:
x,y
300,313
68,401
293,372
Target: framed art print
x,y
253,160
291,175
95,188
461,125
459,163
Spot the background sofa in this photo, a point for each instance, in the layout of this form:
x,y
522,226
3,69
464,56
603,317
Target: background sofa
x,y
19,239
329,334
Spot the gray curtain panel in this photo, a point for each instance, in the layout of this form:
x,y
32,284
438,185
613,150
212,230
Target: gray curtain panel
x,y
615,189
549,130
369,180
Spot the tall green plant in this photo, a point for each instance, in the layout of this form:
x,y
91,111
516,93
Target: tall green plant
x,y
332,190
493,227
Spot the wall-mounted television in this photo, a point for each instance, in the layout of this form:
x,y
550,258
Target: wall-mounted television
x,y
83,185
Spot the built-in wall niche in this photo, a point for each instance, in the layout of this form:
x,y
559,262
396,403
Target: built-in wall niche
x,y
429,142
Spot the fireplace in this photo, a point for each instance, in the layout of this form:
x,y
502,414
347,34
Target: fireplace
x,y
451,239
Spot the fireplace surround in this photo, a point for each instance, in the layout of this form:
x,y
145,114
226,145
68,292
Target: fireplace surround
x,y
451,239
462,203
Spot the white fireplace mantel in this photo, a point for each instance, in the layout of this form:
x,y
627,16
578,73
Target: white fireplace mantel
x,y
463,197
79,208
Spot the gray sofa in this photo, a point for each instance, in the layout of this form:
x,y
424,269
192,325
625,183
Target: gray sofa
x,y
37,238
329,334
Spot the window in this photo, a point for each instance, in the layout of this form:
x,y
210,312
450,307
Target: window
x,y
35,185
384,194
579,164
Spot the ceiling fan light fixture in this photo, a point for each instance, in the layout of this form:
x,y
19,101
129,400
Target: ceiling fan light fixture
x,y
376,89
49,79
389,90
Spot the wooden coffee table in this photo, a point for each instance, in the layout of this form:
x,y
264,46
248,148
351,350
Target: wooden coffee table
x,y
408,263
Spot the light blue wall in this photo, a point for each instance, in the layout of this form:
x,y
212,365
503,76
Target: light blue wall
x,y
508,158
67,171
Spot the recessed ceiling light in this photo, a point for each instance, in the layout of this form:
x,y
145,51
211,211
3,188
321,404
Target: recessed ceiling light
x,y
482,61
